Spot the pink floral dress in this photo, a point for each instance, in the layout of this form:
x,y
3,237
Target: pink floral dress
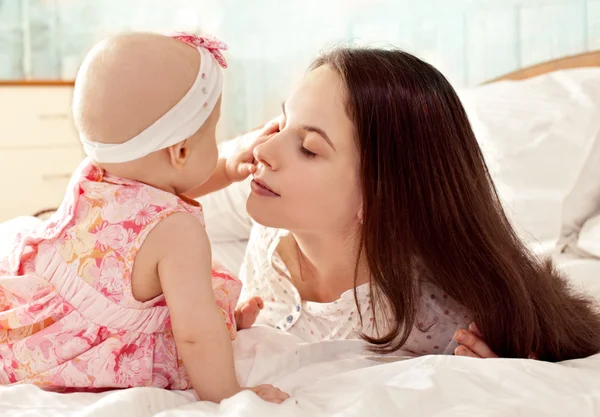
x,y
68,319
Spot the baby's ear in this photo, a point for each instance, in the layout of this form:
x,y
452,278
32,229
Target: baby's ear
x,y
179,154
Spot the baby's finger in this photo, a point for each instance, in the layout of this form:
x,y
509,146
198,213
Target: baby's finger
x,y
260,140
274,400
262,389
246,169
269,391
247,155
271,127
276,396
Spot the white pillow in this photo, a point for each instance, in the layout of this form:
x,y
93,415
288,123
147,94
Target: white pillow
x,y
536,135
583,275
582,203
589,237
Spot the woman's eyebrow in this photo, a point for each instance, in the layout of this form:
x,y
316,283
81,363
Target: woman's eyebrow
x,y
309,128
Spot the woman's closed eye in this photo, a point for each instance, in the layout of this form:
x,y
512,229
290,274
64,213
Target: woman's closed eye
x,y
307,153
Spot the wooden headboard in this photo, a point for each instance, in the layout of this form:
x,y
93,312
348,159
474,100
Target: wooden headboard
x,y
586,59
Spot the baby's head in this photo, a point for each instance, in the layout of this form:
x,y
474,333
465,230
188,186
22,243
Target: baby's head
x,y
147,105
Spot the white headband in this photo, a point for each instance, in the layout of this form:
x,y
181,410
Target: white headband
x,y
181,121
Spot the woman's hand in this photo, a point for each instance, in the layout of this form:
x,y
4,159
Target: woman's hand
x,y
471,343
240,165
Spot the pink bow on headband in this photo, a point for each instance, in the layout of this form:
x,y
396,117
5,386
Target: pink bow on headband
x,y
212,44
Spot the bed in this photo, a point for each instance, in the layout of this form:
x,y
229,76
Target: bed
x,y
338,377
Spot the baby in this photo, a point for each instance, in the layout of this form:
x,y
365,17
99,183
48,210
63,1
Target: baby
x,y
116,290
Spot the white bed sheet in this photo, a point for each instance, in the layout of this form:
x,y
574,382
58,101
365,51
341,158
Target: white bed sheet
x,y
338,378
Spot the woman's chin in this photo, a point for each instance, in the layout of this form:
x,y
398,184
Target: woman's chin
x,y
265,214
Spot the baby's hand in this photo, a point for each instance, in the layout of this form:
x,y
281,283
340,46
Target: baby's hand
x,y
240,165
246,314
269,393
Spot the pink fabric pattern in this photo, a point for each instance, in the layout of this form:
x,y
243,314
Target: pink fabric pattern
x,y
212,44
68,318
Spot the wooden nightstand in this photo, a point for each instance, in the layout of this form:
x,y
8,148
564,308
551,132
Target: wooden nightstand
x,y
39,147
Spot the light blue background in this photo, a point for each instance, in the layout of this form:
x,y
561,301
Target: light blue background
x,y
272,41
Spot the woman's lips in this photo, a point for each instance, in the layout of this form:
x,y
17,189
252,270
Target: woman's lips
x,y
259,187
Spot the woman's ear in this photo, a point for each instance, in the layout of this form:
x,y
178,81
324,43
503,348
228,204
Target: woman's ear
x,y
359,214
179,154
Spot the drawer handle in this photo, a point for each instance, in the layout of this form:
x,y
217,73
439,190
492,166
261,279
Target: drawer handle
x,y
50,177
61,116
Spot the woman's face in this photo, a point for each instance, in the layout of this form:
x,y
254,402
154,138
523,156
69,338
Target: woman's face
x,y
311,165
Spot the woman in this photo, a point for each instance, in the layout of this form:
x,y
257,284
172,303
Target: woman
x,y
376,217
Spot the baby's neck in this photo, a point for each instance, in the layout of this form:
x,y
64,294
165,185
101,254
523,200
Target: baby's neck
x,y
143,171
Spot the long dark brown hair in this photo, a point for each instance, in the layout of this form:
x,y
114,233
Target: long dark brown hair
x,y
428,199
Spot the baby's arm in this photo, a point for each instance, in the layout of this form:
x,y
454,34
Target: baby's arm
x,y
200,332
217,181
235,167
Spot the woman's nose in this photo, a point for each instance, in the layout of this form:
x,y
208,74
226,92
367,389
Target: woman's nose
x,y
264,153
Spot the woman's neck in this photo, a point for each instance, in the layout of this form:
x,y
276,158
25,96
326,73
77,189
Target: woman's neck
x,y
327,263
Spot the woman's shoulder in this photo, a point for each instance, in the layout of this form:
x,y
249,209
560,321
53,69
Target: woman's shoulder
x,y
436,302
